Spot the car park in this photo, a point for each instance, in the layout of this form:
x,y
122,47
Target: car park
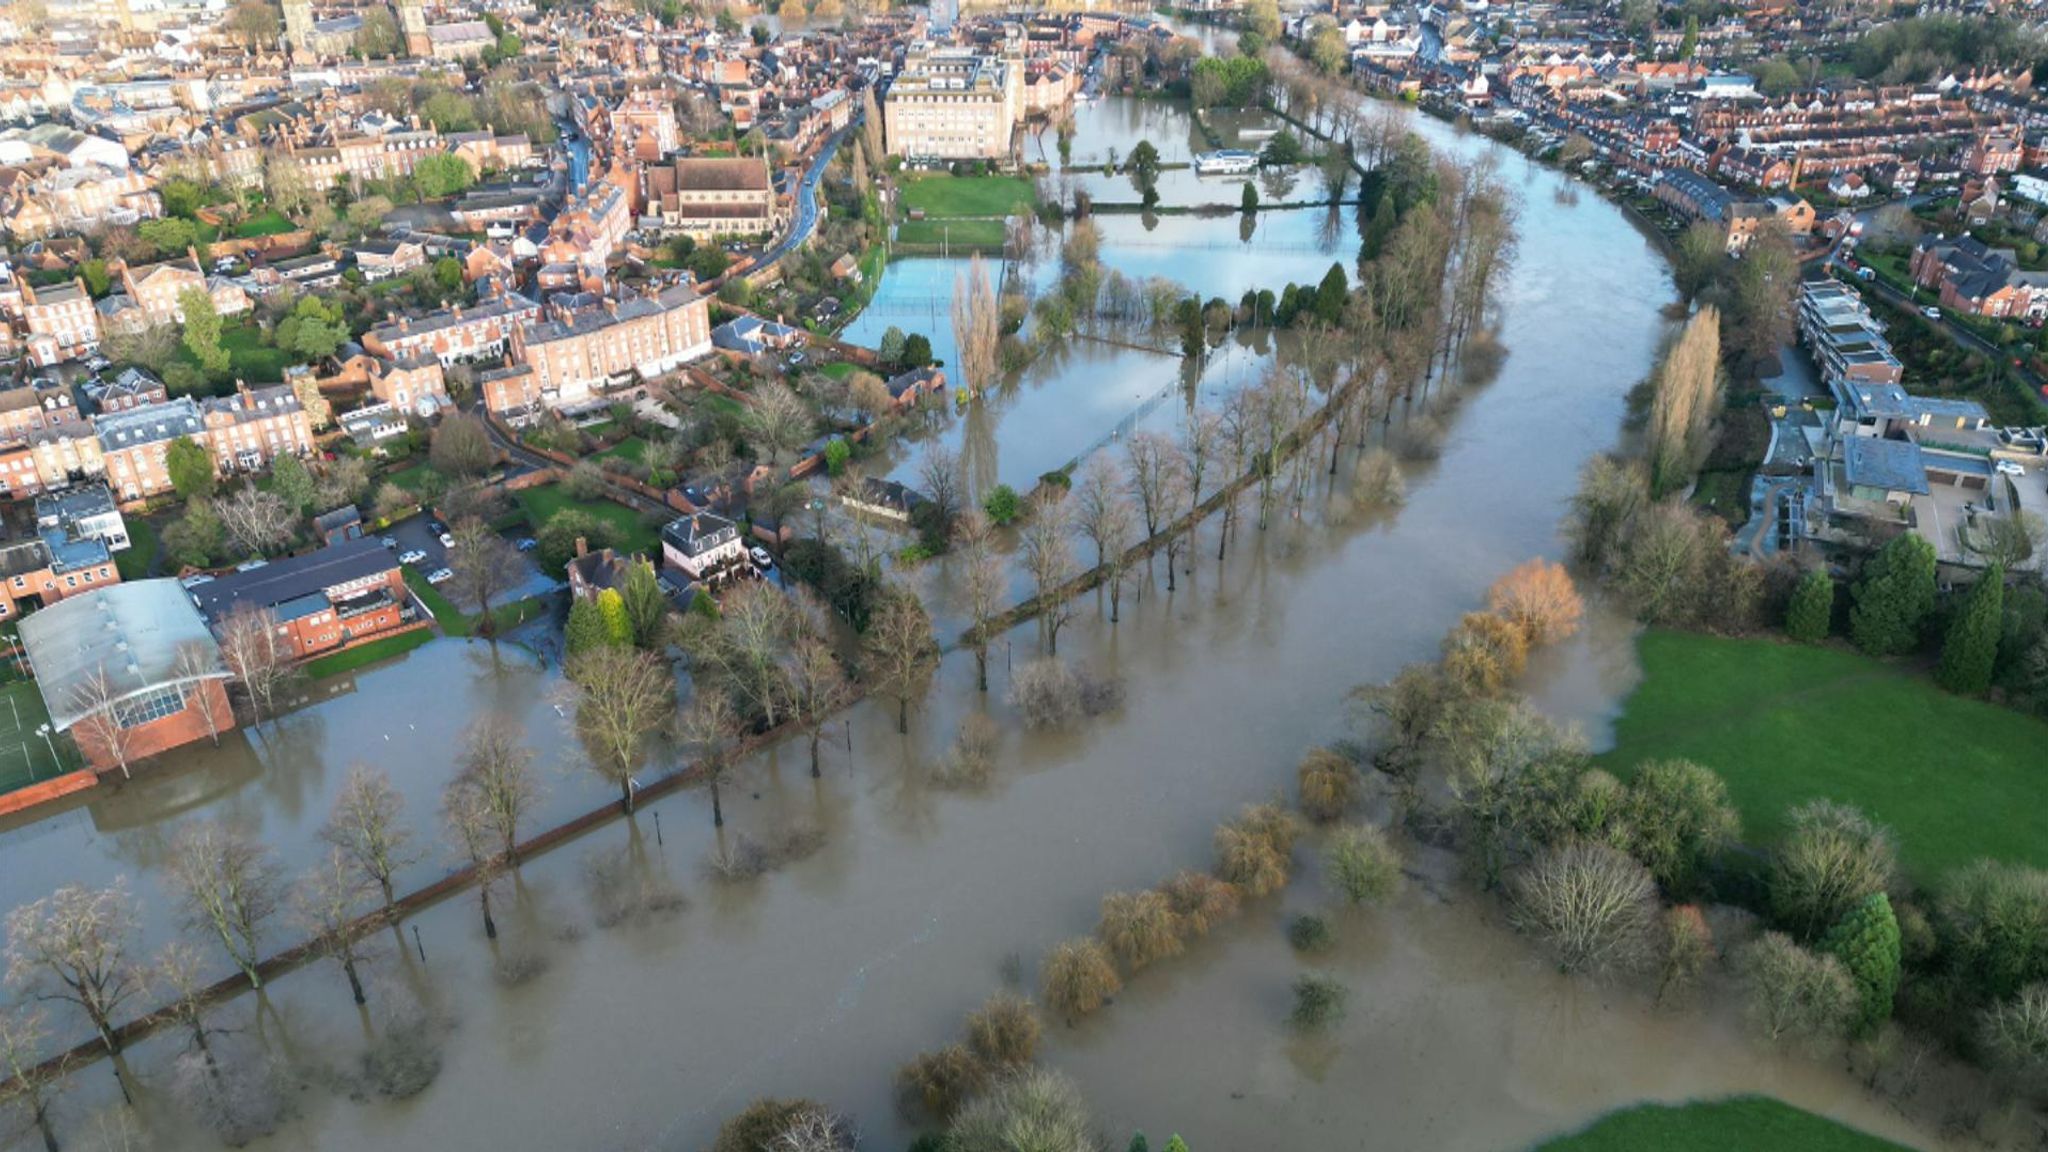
x,y
413,556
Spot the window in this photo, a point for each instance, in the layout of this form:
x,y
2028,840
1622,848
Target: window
x,y
150,706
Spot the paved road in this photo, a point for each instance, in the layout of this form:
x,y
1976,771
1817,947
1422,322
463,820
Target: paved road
x,y
806,220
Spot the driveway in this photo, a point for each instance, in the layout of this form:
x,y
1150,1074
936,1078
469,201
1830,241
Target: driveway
x,y
413,534
807,198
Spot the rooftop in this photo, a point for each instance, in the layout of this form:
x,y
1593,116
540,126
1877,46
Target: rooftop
x,y
133,633
282,581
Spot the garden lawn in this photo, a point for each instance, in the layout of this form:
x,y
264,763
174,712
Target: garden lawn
x,y
134,563
375,650
269,223
960,235
1955,778
968,195
839,369
417,478
628,449
543,503
1744,1123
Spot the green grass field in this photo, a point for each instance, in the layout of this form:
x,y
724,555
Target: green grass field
x,y
142,542
839,369
1956,779
543,503
370,653
968,195
1740,1124
628,449
956,235
269,223
25,755
419,477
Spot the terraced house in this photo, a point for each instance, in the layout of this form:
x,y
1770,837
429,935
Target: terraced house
x,y
577,355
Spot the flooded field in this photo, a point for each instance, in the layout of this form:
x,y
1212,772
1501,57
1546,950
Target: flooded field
x,y
597,1022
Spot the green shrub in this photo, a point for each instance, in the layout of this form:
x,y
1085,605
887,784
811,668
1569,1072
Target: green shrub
x,y
1308,933
1866,941
1812,609
1319,1000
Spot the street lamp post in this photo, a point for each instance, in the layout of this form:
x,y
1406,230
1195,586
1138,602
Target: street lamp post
x,y
43,730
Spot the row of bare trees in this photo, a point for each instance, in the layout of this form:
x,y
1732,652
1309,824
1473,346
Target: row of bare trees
x,y
79,947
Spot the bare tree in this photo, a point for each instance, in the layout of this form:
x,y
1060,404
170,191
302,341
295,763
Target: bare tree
x,y
620,697
256,658
940,477
778,419
984,581
741,652
326,902
499,767
462,447
368,826
177,971
485,568
1049,556
1201,442
1107,519
1595,907
256,521
31,1086
900,651
196,663
467,811
72,945
977,326
231,887
817,689
711,727
99,728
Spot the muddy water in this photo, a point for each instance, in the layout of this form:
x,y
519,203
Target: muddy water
x,y
819,980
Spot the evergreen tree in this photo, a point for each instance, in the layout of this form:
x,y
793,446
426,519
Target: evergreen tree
x,y
1249,202
1176,1145
645,605
1970,651
290,480
1331,295
190,467
1894,598
1812,610
618,625
1138,1143
1866,941
585,631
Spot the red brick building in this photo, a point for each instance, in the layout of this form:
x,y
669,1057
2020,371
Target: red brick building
x,y
324,601
128,671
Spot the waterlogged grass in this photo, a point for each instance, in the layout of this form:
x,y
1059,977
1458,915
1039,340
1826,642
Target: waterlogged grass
x,y
1956,779
1745,1123
968,195
455,622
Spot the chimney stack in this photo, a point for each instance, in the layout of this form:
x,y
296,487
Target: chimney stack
x,y
582,547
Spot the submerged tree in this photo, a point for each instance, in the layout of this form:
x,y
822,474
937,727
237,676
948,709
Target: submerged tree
x,y
72,945
368,826
899,650
231,888
467,813
711,728
1048,548
620,698
32,1085
328,900
498,766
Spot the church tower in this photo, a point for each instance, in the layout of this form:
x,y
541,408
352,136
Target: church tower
x,y
412,20
298,26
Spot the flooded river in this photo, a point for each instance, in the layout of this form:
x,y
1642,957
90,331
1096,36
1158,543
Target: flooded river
x,y
819,980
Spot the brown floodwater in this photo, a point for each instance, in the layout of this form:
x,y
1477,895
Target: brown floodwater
x,y
818,980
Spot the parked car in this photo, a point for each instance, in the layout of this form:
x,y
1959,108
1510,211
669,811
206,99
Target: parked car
x,y
440,576
390,542
447,540
2011,468
413,556
761,557
527,544
1931,312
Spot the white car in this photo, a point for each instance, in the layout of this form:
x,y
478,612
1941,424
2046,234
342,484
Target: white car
x,y
2011,468
440,576
447,540
411,557
1931,312
761,557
